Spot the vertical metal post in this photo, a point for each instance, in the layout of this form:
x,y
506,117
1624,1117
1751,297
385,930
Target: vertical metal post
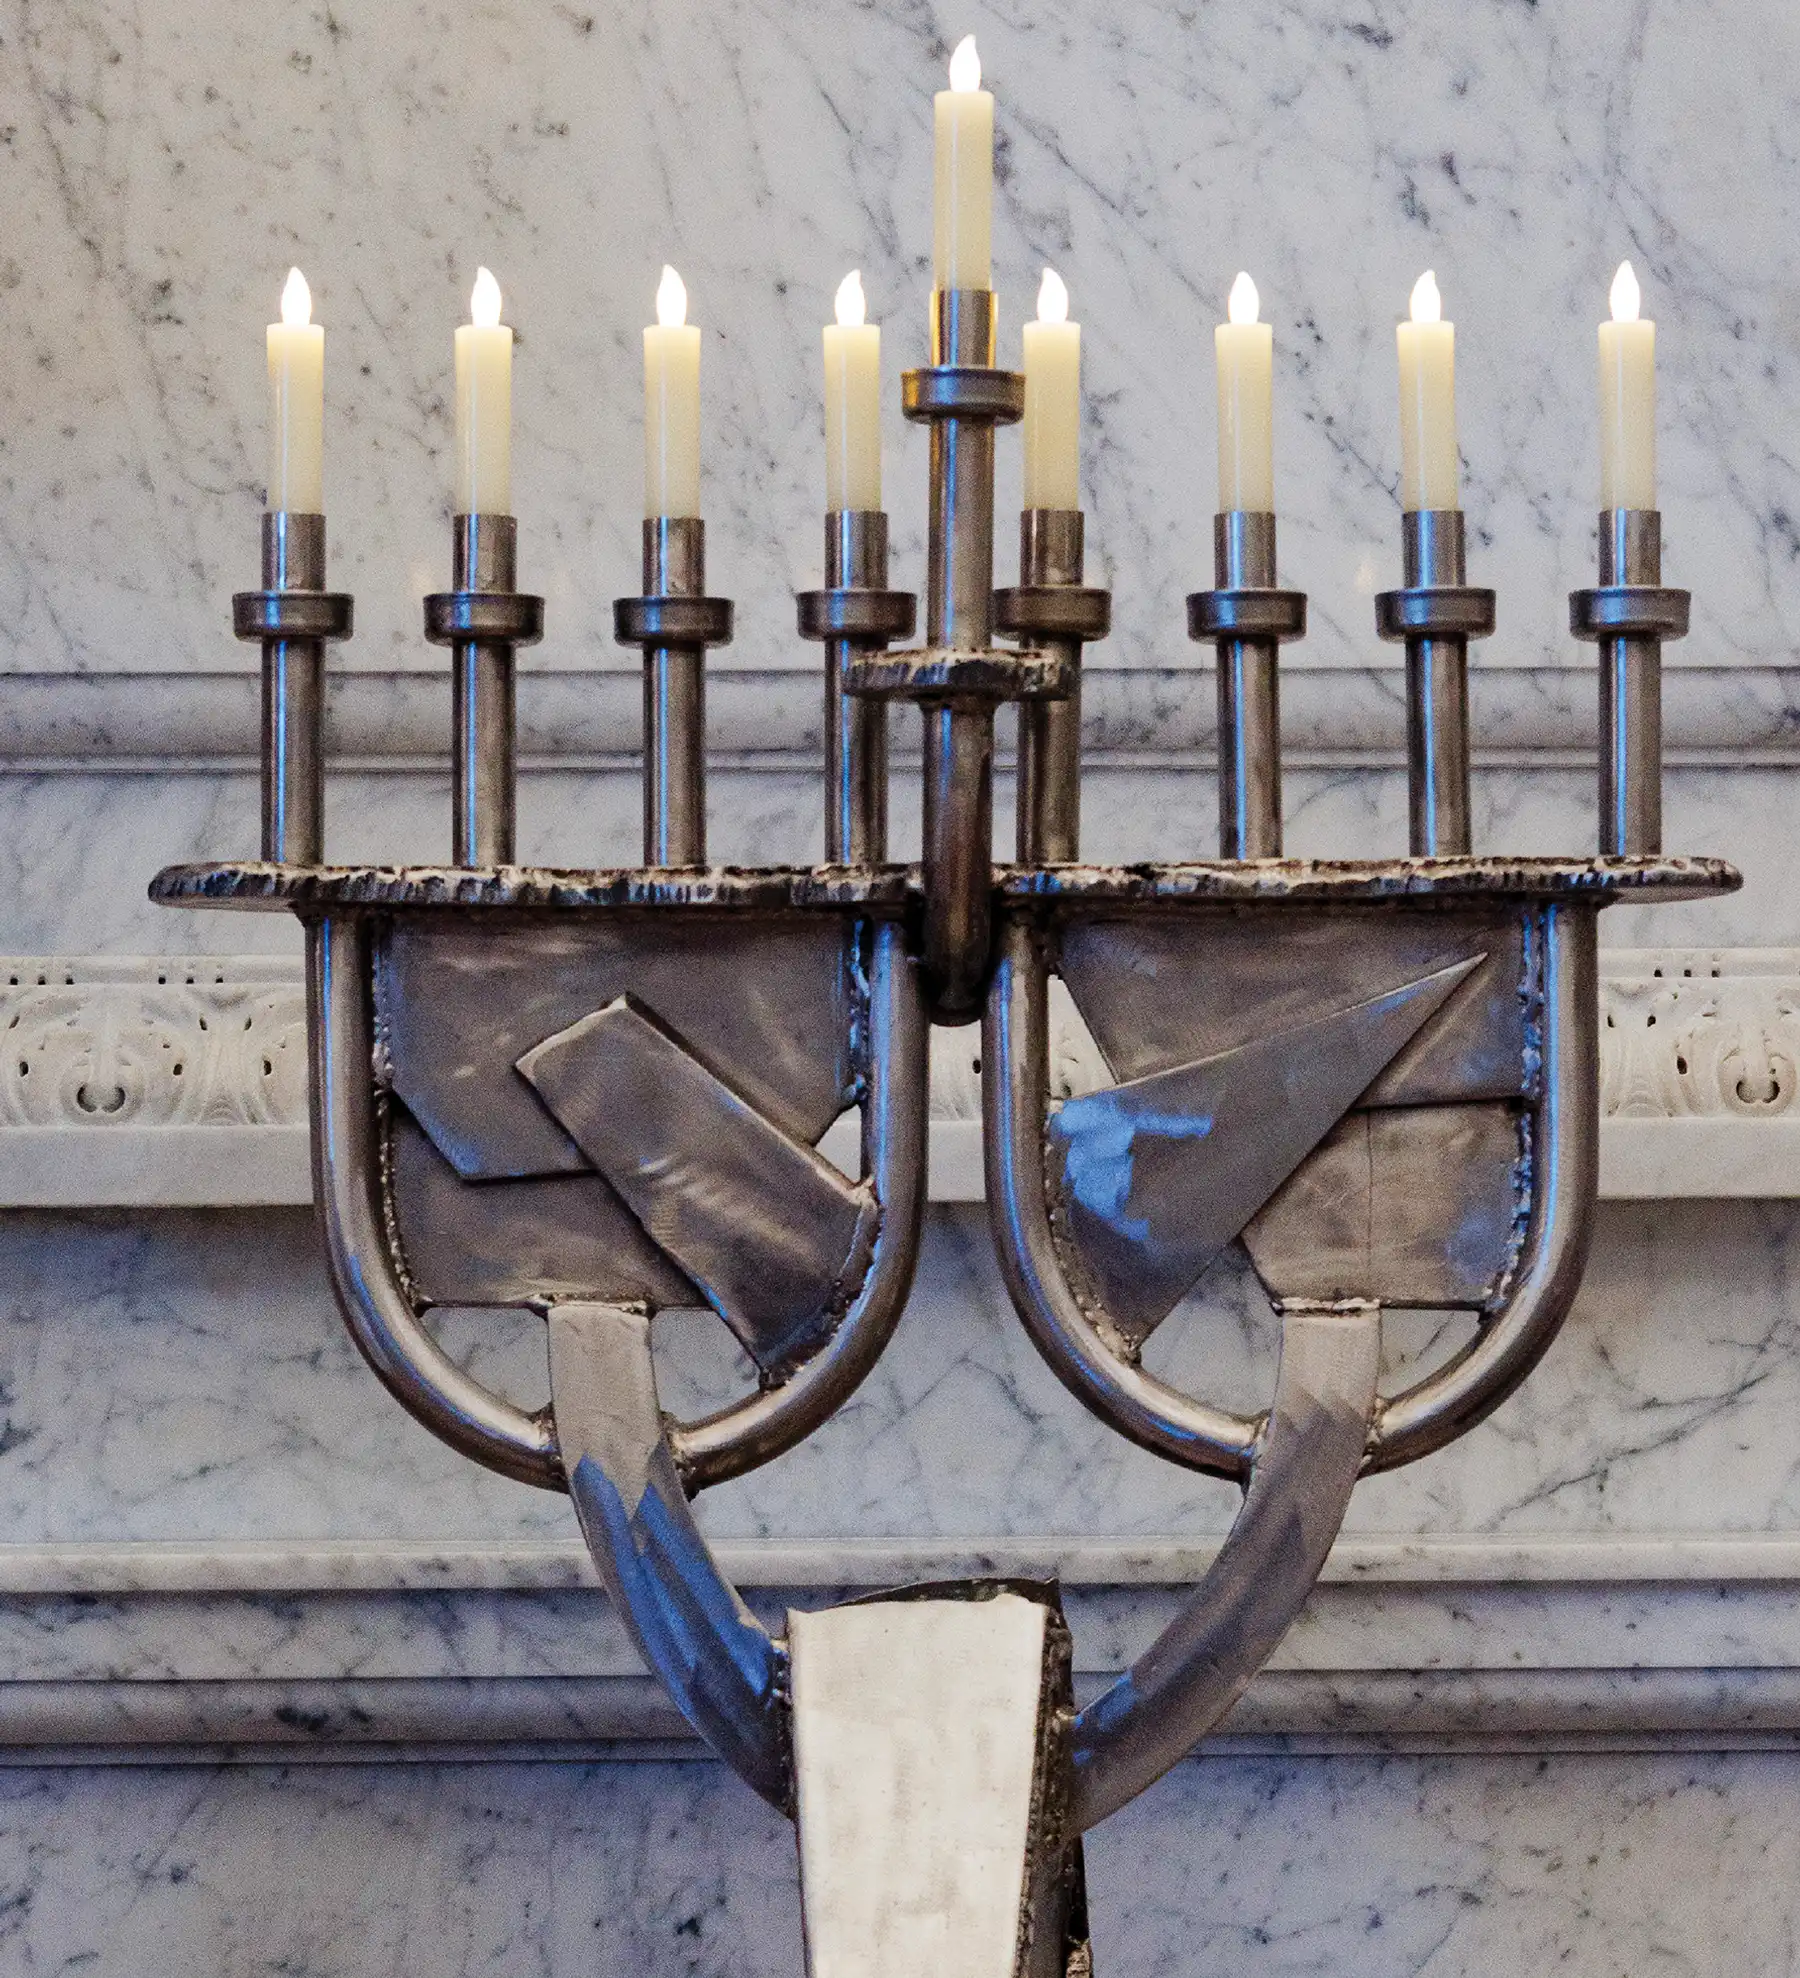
x,y
674,702
293,699
1048,803
856,726
1630,693
1437,693
1249,696
484,797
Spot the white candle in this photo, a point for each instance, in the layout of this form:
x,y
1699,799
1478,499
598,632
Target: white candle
x,y
671,405
964,183
484,348
1053,401
1627,400
852,403
1430,473
297,404
1245,350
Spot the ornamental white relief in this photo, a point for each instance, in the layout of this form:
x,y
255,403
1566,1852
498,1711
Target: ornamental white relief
x,y
142,1041
1698,1033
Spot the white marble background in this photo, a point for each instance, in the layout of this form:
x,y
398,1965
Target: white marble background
x,y
161,166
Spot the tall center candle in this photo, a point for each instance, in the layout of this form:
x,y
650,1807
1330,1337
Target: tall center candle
x,y
1245,350
484,351
963,184
671,405
1430,473
296,348
1052,431
1627,400
852,403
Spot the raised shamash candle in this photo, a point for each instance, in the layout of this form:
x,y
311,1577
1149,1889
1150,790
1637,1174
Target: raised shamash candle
x,y
484,347
852,403
1245,350
1627,400
964,180
1430,474
671,405
297,404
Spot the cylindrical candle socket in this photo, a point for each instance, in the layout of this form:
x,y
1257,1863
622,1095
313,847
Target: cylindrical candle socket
x,y
296,404
1430,474
964,184
1627,400
1052,401
852,404
671,405
484,405
1245,350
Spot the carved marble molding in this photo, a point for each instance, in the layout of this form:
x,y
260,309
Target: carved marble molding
x,y
165,1081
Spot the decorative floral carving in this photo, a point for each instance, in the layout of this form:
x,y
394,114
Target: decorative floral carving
x,y
1699,1033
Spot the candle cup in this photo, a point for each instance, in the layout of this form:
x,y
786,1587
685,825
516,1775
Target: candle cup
x,y
291,618
1436,616
1629,616
673,623
1247,618
483,620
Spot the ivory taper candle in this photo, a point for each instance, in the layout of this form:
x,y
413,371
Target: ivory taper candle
x,y
1245,350
1430,474
1052,433
297,404
962,236
1627,400
484,350
671,405
852,402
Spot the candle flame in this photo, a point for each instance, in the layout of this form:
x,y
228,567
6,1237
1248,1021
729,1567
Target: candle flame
x,y
484,301
671,299
1053,298
296,300
1427,304
1243,303
1627,298
852,305
965,66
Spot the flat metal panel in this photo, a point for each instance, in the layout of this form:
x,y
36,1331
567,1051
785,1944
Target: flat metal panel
x,y
763,1001
515,1242
1159,991
1420,1207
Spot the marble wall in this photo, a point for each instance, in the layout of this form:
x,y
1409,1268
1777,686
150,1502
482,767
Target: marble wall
x,y
1546,1710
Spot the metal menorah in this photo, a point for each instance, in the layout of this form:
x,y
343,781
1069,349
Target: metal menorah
x,y
599,1095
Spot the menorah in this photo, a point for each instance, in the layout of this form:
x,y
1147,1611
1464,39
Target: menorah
x,y
599,1095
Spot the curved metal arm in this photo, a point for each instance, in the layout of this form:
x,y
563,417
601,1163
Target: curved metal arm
x,y
751,1432
1084,1350
1565,1182
347,1168
720,1666
1300,1484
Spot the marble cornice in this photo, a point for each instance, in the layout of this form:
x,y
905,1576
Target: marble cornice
x,y
1333,717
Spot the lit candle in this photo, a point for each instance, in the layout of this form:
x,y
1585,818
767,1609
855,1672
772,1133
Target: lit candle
x,y
964,185
1245,350
671,404
1429,470
297,404
1627,400
484,347
1053,401
852,403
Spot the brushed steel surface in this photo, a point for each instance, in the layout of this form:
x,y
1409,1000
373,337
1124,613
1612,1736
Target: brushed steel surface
x,y
958,833
1048,799
293,684
674,702
1631,680
1437,693
772,1234
484,797
856,729
1249,683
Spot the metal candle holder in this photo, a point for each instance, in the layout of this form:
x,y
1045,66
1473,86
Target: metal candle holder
x,y
597,1095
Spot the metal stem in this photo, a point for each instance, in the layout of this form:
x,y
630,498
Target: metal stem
x,y
1048,801
959,836
484,799
1630,694
856,727
675,702
293,699
1249,696
1437,694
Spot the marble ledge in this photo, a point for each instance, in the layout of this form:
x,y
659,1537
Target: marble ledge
x,y
181,1082
1145,717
